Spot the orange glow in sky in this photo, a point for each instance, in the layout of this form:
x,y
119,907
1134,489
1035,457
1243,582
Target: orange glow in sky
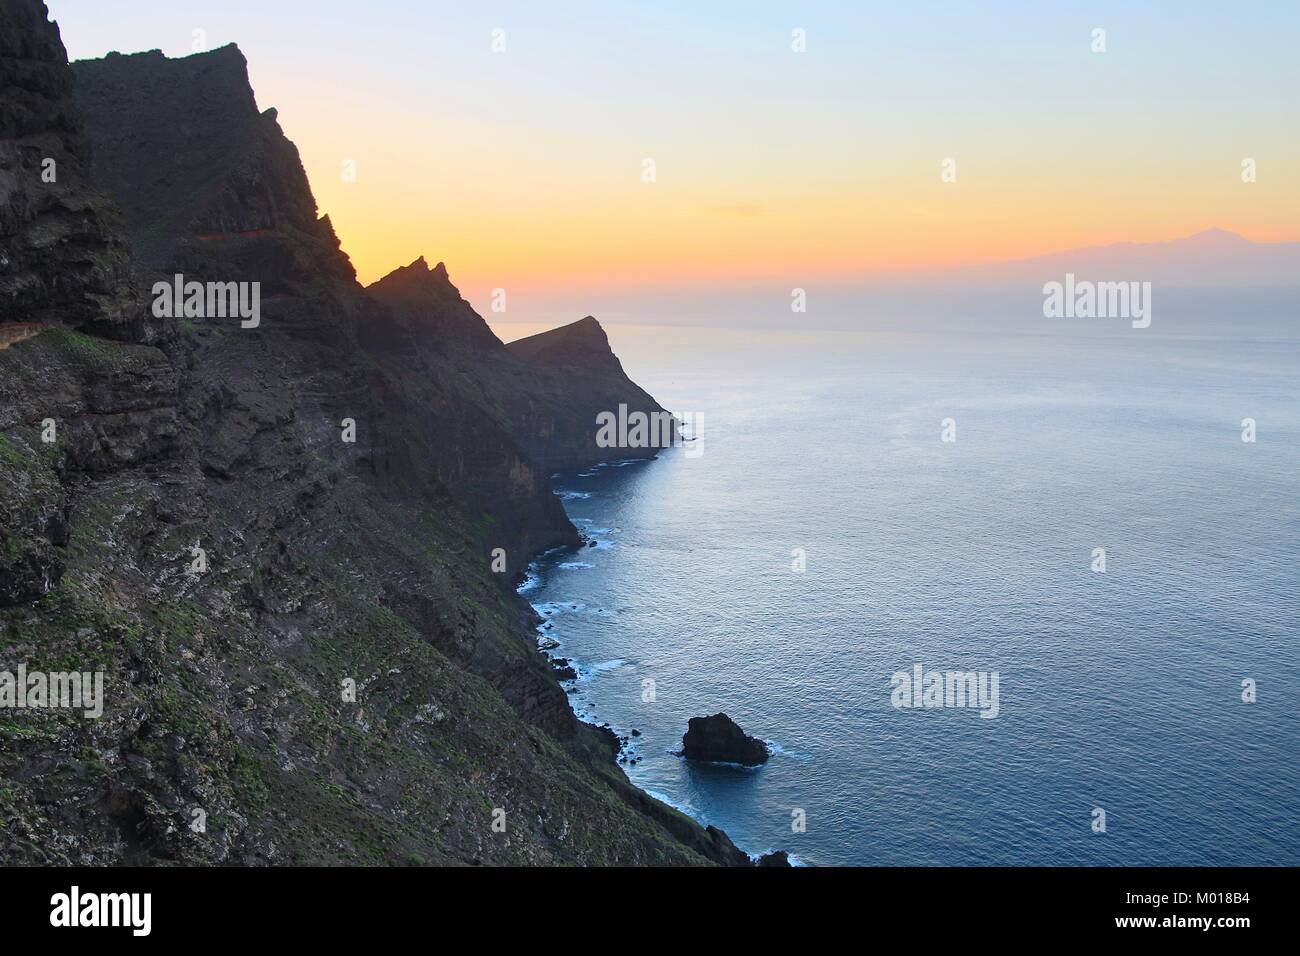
x,y
526,164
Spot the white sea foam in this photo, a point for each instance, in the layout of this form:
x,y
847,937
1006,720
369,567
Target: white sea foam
x,y
590,671
555,608
586,524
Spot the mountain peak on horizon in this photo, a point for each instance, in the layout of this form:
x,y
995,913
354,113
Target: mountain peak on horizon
x,y
1213,256
1215,234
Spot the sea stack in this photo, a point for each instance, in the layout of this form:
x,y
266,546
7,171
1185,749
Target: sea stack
x,y
720,739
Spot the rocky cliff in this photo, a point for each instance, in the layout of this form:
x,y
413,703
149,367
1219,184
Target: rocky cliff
x,y
274,542
62,257
230,201
546,391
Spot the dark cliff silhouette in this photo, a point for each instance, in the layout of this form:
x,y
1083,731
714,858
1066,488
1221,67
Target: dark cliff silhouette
x,y
302,636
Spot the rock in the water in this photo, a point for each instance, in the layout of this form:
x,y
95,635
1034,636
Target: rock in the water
x,y
719,738
775,858
563,668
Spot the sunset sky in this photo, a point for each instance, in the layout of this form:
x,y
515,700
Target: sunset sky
x,y
523,168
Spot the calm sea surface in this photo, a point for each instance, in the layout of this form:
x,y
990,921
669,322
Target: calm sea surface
x,y
1120,691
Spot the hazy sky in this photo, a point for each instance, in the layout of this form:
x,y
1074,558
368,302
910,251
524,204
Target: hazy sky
x,y
524,168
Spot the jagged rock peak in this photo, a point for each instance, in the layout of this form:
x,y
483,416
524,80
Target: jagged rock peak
x,y
417,275
428,300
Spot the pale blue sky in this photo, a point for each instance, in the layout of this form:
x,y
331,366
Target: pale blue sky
x,y
524,168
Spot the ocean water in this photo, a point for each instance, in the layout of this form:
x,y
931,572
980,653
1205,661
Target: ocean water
x,y
1118,690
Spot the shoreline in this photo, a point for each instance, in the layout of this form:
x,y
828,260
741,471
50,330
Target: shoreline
x,y
534,577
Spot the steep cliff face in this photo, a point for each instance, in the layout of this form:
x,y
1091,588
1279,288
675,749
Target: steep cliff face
x,y
302,641
546,391
71,405
576,362
182,147
229,201
62,256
